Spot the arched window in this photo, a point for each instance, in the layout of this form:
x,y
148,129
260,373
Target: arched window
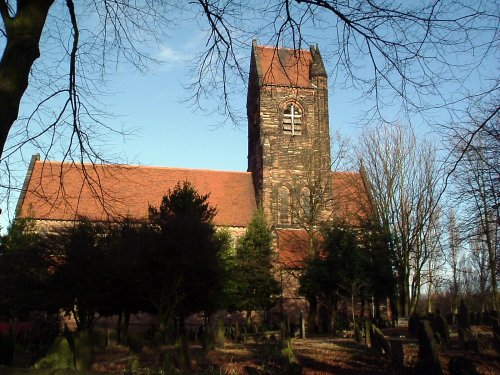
x,y
292,119
283,205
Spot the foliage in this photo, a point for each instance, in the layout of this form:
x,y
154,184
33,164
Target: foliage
x,y
25,265
379,273
252,281
339,270
125,247
185,264
79,248
174,265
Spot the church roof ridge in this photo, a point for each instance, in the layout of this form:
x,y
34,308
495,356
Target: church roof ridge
x,y
302,50
137,166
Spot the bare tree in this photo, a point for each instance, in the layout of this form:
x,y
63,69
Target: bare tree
x,y
432,276
479,260
398,55
453,259
403,181
477,179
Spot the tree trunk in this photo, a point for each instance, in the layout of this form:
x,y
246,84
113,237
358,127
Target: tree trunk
x,y
119,327
248,318
23,33
127,322
311,316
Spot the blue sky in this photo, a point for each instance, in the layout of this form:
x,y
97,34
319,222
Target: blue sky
x,y
170,132
166,128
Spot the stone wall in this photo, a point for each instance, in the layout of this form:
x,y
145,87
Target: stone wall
x,y
280,160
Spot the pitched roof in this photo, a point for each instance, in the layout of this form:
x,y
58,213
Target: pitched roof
x,y
66,191
293,247
351,201
283,66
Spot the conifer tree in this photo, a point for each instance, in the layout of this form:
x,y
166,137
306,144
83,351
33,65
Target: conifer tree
x,y
185,264
253,280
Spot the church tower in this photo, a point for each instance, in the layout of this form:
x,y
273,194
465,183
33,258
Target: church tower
x,y
288,134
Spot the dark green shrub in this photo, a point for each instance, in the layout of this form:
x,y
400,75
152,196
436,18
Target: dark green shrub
x,y
98,338
7,345
136,342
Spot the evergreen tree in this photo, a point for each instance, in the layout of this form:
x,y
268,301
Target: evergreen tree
x,y
25,264
81,280
125,247
253,281
185,265
338,271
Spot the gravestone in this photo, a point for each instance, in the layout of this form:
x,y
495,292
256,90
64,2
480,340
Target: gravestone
x,y
375,344
397,357
496,337
379,343
463,316
237,332
357,332
460,365
413,325
289,364
208,339
167,362
302,326
468,340
284,332
183,352
428,355
220,334
440,326
368,331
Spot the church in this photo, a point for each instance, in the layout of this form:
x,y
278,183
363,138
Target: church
x,y
289,170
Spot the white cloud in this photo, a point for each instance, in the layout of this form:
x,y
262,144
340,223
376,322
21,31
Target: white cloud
x,y
171,56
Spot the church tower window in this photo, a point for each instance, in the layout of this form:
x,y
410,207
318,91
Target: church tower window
x,y
292,120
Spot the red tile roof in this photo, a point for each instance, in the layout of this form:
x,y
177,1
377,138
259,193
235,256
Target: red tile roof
x,y
283,66
66,191
351,201
292,247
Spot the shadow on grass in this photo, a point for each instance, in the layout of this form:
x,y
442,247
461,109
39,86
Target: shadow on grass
x,y
345,358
